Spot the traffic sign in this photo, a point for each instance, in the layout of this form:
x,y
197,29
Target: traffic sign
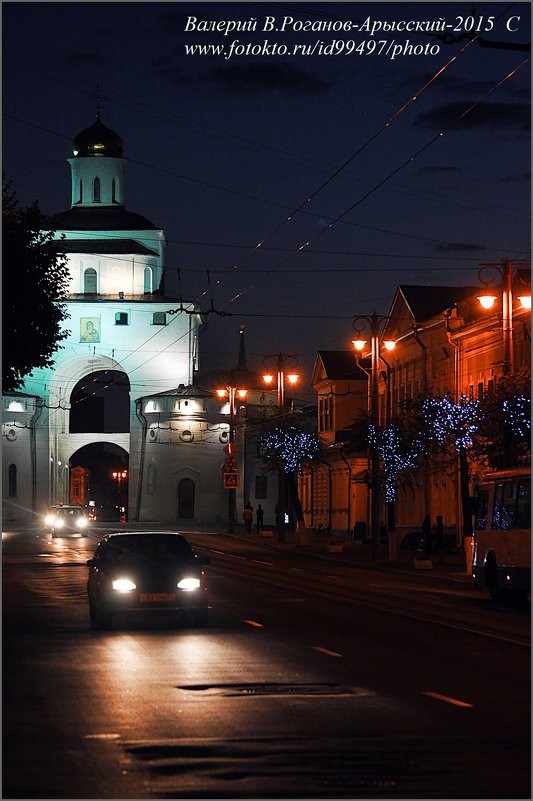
x,y
232,480
230,448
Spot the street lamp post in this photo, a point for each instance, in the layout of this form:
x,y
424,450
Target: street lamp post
x,y
120,476
282,363
231,392
487,300
359,344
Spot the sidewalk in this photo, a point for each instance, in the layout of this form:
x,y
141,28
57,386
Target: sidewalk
x,y
342,549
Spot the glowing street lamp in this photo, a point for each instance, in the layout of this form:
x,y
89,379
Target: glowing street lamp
x,y
373,412
281,362
487,300
231,393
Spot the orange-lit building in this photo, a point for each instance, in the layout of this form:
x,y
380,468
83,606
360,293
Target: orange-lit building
x,y
446,343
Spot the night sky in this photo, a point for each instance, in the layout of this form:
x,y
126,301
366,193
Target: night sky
x,y
223,150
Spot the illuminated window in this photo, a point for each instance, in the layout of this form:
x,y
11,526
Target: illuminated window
x,y
96,190
89,281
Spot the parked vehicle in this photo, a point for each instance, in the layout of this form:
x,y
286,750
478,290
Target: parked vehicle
x,y
152,572
501,543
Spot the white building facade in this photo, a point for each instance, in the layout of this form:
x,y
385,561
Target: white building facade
x,y
125,341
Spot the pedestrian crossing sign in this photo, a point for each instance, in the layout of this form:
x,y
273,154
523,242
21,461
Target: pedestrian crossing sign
x,y
232,480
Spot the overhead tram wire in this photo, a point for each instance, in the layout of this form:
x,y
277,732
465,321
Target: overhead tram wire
x,y
358,152
387,178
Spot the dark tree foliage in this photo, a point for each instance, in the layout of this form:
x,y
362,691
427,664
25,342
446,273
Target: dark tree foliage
x,y
34,284
505,432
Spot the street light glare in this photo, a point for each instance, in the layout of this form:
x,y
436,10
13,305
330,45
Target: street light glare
x,y
389,344
359,344
221,393
525,301
292,378
487,301
268,378
242,393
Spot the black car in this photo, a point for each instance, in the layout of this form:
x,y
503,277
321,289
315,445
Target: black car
x,y
146,571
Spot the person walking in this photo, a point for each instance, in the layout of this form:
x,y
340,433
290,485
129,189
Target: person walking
x,y
439,538
426,536
259,518
248,517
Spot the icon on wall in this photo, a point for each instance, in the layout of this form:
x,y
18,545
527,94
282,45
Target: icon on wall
x,y
89,329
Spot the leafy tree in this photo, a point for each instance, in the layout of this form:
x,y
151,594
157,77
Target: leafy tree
x,y
287,450
506,427
34,284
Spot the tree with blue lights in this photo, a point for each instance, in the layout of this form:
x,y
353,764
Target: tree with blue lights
x,y
506,428
287,450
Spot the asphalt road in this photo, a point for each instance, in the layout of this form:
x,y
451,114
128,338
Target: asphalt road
x,y
314,679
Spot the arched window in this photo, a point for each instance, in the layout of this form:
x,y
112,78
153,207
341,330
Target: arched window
x,y
147,279
81,192
12,480
89,281
113,191
96,190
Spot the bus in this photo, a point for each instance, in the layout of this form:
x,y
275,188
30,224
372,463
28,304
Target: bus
x,y
501,542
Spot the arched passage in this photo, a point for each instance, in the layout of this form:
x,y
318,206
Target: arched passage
x,y
100,403
103,479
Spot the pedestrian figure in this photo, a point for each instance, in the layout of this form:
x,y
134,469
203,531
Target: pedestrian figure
x,y
439,537
259,518
248,516
426,536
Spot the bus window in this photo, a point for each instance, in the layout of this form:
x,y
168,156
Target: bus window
x,y
523,507
482,511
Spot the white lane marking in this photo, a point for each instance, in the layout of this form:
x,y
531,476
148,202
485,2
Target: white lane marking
x,y
254,623
325,651
101,736
259,562
447,699
296,569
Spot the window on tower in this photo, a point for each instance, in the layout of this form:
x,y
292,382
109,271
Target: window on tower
x,y
96,190
80,199
147,279
113,191
89,281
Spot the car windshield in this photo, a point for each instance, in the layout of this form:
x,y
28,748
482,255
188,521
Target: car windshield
x,y
70,512
149,548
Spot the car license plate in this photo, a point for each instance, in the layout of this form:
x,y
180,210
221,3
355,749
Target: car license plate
x,y
155,597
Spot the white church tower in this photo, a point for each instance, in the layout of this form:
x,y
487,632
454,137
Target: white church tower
x,y
125,341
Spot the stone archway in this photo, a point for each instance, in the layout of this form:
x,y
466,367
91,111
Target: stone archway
x,y
108,492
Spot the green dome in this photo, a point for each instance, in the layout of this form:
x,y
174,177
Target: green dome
x,y
97,140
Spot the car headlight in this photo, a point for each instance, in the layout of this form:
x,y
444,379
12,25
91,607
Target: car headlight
x,y
58,524
49,519
82,522
124,585
189,584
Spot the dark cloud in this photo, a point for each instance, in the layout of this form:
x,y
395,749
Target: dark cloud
x,y
261,77
459,247
498,116
516,178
